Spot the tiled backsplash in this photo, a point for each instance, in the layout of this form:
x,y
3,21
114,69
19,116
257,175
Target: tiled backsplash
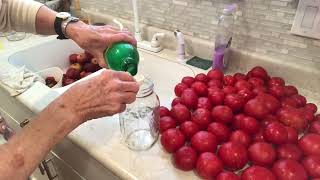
x,y
262,26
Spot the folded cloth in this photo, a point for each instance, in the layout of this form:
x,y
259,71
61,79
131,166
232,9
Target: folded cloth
x,y
17,81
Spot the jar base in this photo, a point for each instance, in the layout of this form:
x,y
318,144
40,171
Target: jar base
x,y
140,140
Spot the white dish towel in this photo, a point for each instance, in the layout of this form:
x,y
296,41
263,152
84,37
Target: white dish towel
x,y
17,81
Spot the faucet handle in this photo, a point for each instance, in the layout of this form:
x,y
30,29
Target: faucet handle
x,y
155,39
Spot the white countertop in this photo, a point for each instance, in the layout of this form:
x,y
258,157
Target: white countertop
x,y
101,138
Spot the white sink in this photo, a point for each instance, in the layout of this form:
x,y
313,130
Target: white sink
x,y
164,73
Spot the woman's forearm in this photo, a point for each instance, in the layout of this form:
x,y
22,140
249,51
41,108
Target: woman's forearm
x,y
45,21
21,155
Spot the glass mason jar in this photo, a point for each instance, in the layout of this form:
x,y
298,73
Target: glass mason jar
x,y
139,123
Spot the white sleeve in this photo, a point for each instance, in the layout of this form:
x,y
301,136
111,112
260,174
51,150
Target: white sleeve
x,y
18,15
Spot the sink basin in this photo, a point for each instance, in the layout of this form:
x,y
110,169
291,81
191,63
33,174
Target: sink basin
x,y
164,73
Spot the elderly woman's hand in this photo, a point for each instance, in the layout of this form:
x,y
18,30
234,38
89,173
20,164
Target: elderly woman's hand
x,y
96,39
103,95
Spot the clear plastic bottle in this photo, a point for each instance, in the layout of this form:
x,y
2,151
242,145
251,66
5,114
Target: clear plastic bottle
x,y
139,123
224,38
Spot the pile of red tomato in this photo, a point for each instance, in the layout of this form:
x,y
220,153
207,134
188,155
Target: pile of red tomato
x,y
242,126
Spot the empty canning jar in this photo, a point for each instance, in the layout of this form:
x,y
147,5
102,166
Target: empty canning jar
x,y
139,123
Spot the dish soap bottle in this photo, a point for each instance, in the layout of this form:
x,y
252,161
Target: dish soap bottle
x,y
123,56
224,38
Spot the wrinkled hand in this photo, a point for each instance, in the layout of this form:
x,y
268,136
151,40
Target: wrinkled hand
x,y
104,95
96,39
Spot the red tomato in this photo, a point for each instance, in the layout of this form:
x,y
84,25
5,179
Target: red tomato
x,y
312,165
163,111
292,135
276,133
242,84
229,80
277,91
200,88
172,140
249,125
180,113
236,120
201,77
185,158
270,101
176,101
300,100
257,173
307,114
312,107
234,101
292,117
276,81
216,97
246,94
202,117
189,128
289,102
189,98
256,82
180,88
256,108
229,90
259,90
215,83
310,144
167,122
290,90
215,74
289,151
188,80
262,153
204,102
259,72
226,175
315,127
204,141
268,119
233,155
222,114
241,137
208,165
240,76
221,131
287,169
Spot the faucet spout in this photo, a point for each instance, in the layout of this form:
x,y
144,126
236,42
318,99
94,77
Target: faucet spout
x,y
181,45
137,32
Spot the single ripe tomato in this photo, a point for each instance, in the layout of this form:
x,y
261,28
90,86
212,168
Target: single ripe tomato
x,y
189,128
300,100
172,140
229,80
227,175
270,101
204,141
180,113
200,88
276,133
215,83
312,165
249,125
201,77
204,102
289,151
262,153
179,88
256,108
185,158
221,131
189,98
292,117
287,169
276,81
258,173
259,90
246,94
215,74
242,84
315,127
292,135
167,122
234,101
256,82
222,114
176,101
216,97
163,111
259,72
241,137
208,165
310,144
290,90
277,91
233,155
312,107
202,117
240,76
188,80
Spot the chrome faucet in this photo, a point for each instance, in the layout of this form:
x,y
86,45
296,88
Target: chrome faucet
x,y
181,45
